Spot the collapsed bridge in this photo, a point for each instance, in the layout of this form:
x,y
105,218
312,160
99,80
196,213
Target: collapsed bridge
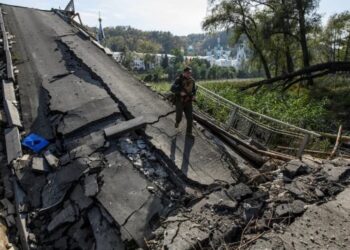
x,y
117,174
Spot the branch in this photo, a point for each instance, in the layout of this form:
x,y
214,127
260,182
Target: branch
x,y
326,68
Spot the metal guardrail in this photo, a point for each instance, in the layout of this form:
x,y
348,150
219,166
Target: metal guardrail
x,y
262,131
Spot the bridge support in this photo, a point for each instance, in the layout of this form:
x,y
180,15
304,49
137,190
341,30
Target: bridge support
x,y
231,118
303,145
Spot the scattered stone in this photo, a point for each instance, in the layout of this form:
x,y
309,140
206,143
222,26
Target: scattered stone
x,y
269,166
141,144
91,185
283,210
184,235
68,214
297,207
295,168
239,191
24,161
51,159
319,193
39,165
251,211
298,188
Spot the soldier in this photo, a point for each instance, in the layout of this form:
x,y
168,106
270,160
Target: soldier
x,y
185,93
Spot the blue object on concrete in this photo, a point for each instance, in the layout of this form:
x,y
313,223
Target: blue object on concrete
x,y
35,142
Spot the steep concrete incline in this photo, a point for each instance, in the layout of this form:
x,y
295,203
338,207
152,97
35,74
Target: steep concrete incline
x,y
200,161
66,101
41,32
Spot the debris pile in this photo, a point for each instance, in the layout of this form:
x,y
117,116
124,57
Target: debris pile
x,y
238,215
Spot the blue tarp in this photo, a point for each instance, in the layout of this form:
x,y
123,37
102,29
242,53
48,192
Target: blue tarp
x,y
35,142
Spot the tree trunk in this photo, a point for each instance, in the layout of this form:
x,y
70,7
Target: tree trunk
x,y
286,30
347,50
261,55
303,41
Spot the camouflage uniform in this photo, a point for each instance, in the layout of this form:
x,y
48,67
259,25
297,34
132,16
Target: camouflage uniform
x,y
185,90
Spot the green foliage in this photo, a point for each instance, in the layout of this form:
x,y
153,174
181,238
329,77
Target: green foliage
x,y
300,110
155,75
161,87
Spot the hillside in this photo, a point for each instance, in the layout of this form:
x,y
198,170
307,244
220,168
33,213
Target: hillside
x,y
120,38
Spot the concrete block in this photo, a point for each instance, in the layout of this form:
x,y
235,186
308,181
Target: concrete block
x,y
51,159
10,71
125,127
67,215
39,165
8,90
91,186
12,114
13,144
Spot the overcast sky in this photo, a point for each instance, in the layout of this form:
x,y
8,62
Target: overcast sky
x,y
180,17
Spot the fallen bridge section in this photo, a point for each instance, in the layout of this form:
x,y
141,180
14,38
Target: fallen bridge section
x,y
199,160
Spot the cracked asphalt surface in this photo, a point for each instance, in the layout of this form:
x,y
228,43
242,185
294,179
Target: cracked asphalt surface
x,y
153,188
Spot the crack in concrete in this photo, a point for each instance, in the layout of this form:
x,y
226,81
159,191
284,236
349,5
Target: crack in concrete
x,y
127,219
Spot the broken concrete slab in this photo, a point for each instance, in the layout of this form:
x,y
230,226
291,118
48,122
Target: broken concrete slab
x,y
324,226
91,186
124,127
13,144
67,215
239,191
88,113
83,146
10,71
106,237
218,200
51,159
81,234
12,114
10,220
199,161
124,195
39,165
295,168
336,173
79,197
8,91
8,205
59,182
21,218
184,235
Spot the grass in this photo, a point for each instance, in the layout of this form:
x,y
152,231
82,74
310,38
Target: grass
x,y
321,108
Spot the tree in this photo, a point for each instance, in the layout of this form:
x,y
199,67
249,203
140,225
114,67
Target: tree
x,y
165,61
337,37
238,15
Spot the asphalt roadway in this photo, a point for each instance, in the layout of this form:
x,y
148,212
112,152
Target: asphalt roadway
x,y
70,90
39,34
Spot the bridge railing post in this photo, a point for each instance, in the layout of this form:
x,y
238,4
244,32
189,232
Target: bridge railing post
x,y
231,118
303,145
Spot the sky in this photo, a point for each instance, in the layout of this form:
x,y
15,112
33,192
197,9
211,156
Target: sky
x,y
181,17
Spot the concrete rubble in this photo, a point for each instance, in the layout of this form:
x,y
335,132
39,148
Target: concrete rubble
x,y
109,181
